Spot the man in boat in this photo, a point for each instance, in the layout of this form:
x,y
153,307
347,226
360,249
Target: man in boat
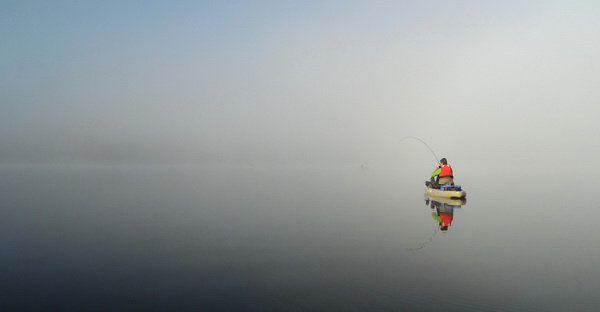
x,y
443,174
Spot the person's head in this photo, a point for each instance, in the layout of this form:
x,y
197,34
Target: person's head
x,y
443,161
444,228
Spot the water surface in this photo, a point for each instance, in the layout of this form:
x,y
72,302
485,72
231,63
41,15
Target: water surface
x,y
294,238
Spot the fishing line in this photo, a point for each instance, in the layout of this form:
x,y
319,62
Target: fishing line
x,y
425,243
437,159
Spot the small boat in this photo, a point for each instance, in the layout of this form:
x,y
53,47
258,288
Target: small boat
x,y
455,192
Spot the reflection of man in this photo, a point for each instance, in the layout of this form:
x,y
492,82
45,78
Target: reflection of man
x,y
444,214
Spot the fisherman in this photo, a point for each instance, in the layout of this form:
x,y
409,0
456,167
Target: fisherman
x,y
443,174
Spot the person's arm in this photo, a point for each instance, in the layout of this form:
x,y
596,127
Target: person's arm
x,y
436,217
436,172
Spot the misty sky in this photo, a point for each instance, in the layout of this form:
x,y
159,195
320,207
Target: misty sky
x,y
299,81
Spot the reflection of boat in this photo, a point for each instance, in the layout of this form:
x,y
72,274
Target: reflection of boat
x,y
439,193
454,202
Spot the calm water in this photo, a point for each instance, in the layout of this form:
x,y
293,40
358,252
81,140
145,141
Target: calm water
x,y
294,238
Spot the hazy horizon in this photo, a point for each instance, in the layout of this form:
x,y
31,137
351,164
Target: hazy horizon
x,y
309,82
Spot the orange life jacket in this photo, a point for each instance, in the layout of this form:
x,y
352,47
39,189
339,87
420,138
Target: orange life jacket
x,y
446,171
446,218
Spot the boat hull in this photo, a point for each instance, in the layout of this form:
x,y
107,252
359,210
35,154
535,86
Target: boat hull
x,y
431,192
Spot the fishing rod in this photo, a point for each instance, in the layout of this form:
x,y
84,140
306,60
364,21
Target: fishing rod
x,y
437,159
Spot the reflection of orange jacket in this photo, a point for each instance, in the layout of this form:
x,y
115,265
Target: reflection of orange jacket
x,y
446,171
446,218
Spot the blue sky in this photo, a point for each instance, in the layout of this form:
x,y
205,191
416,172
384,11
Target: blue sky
x,y
297,81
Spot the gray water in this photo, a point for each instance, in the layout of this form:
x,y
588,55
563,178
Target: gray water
x,y
293,238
